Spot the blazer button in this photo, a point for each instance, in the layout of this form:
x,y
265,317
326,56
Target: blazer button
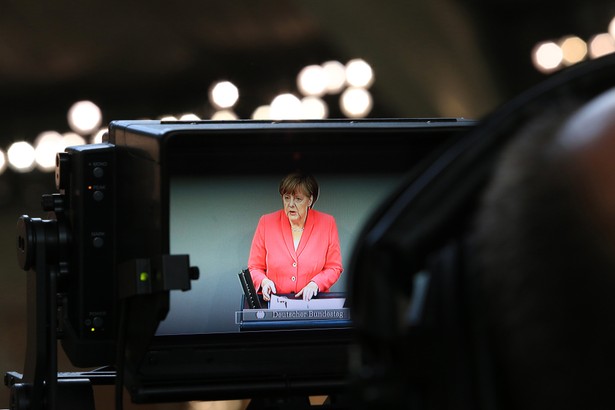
x,y
293,279
294,264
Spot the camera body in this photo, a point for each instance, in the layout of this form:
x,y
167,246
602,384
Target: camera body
x,y
134,213
86,179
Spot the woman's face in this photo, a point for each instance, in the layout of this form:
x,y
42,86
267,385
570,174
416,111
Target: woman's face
x,y
296,206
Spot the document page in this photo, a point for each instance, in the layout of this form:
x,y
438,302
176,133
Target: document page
x,y
283,302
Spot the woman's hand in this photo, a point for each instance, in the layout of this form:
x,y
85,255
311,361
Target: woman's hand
x,y
268,287
308,292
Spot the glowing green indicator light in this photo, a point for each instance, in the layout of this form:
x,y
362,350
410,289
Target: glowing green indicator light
x,y
93,329
143,277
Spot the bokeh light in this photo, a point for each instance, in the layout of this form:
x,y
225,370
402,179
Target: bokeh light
x,y
312,81
21,156
223,95
84,117
601,45
574,50
285,107
224,115
3,162
71,139
189,117
314,108
262,112
356,102
359,73
98,137
46,145
547,56
315,86
335,73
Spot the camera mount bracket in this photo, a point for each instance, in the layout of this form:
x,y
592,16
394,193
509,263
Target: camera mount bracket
x,y
40,253
41,247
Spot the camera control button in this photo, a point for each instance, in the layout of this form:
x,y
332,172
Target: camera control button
x,y
98,322
98,242
98,196
98,172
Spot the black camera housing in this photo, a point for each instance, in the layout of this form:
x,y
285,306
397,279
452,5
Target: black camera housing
x,y
115,202
86,178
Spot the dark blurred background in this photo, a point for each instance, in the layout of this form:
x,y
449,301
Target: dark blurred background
x,y
430,58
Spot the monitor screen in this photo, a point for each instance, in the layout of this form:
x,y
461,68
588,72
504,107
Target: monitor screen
x,y
214,220
202,189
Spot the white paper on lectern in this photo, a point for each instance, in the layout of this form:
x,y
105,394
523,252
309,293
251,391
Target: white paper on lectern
x,y
283,302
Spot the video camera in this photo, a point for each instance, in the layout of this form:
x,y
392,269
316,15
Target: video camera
x,y
161,204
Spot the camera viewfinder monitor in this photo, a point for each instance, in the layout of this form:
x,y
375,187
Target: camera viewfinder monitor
x,y
200,188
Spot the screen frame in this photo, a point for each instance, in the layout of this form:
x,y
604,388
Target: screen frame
x,y
236,365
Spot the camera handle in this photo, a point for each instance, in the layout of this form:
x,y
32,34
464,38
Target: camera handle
x,y
39,254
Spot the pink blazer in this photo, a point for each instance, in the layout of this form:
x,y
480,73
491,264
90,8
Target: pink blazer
x,y
318,257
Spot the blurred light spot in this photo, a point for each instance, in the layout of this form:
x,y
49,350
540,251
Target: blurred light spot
x,y
547,56
285,107
612,27
312,80
2,162
218,405
168,118
262,112
356,102
601,45
21,156
223,94
574,50
98,137
314,108
189,117
84,117
46,146
359,73
336,76
71,139
224,115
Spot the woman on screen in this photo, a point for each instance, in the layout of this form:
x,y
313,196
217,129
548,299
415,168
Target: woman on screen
x,y
296,249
